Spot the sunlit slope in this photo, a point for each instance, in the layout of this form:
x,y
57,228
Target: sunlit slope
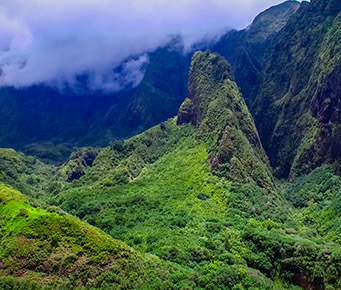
x,y
49,248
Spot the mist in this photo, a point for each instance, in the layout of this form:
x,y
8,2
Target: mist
x,y
52,42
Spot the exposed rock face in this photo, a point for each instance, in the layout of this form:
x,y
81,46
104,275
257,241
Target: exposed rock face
x,y
326,107
76,173
88,158
305,281
186,113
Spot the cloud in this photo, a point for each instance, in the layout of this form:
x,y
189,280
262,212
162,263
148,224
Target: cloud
x,y
54,41
130,74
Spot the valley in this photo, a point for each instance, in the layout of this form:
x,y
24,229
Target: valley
x,y
221,170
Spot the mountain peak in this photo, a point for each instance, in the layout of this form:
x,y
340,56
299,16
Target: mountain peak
x,y
216,106
207,71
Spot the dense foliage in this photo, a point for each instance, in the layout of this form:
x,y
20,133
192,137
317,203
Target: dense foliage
x,y
192,203
24,172
196,223
52,249
306,51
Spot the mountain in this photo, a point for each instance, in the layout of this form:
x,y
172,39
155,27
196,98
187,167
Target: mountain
x,y
206,174
286,64
239,189
217,108
197,192
48,123
249,50
291,110
125,191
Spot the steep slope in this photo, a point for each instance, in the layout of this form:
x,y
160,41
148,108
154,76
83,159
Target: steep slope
x,y
158,97
44,248
249,50
302,69
217,108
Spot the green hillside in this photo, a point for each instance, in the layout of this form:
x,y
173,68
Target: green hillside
x,y
48,248
232,192
173,192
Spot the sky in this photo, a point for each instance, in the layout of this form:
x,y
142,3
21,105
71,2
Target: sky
x,y
53,41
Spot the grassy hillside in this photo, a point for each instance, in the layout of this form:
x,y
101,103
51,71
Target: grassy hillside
x,y
49,248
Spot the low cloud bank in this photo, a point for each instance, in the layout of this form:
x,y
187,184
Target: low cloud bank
x,y
52,42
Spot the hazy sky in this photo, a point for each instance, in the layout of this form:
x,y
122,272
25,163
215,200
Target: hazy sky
x,y
52,41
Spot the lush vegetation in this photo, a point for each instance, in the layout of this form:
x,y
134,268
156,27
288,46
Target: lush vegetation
x,y
48,248
305,52
196,223
176,209
213,232
224,122
52,249
24,172
317,198
192,202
